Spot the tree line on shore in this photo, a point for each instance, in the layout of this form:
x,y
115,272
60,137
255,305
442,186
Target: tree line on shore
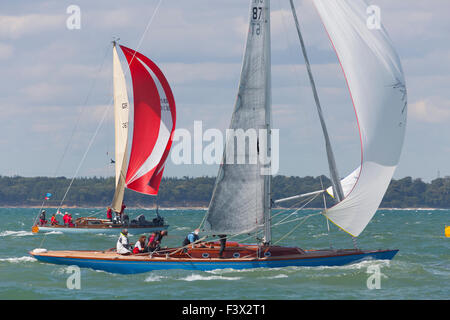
x,y
196,192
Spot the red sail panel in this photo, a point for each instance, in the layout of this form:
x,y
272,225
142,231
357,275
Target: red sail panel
x,y
154,123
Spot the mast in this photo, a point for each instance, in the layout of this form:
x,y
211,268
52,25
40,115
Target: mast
x,y
335,180
268,176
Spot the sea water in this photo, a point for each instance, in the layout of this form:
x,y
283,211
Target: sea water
x,y
420,270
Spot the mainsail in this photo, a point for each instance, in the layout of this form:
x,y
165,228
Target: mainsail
x,y
240,200
121,113
154,124
377,87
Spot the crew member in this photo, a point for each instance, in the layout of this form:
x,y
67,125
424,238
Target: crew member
x,y
53,220
139,246
123,245
109,214
42,220
223,243
69,221
154,242
191,238
66,219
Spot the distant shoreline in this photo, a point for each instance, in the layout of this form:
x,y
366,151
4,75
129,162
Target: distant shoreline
x,y
194,208
196,193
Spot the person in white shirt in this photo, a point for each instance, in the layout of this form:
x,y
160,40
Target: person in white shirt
x,y
139,246
123,245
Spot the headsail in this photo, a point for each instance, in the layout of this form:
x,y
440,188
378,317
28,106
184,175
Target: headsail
x,y
377,86
240,201
154,123
121,113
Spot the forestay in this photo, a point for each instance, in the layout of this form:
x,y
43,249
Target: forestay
x,y
240,199
377,87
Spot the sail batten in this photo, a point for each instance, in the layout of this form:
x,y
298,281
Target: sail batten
x,y
376,84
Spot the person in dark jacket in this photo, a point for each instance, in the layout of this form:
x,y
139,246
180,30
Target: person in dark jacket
x,y
191,237
154,242
223,243
42,220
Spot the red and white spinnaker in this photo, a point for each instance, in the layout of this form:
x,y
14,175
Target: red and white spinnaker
x,y
154,123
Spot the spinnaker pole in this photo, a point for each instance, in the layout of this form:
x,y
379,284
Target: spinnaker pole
x,y
335,180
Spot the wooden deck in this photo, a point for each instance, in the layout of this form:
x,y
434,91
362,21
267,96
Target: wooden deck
x,y
210,252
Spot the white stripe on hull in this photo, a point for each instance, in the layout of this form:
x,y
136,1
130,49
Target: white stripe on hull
x,y
102,230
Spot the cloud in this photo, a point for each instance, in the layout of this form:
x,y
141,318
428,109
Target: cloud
x,y
48,72
184,73
15,27
6,51
44,91
431,110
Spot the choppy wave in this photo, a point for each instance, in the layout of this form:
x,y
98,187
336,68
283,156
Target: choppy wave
x,y
154,277
181,228
354,266
278,276
54,232
197,277
231,270
20,233
18,259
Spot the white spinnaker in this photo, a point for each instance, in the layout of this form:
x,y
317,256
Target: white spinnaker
x,y
377,86
347,183
121,113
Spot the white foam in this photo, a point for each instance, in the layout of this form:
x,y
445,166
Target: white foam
x,y
278,276
197,277
17,259
54,232
231,270
153,278
16,233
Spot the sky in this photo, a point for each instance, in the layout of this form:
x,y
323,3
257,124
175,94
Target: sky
x,y
56,83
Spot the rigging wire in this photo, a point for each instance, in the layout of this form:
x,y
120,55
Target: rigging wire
x,y
103,117
91,88
297,226
82,110
110,102
325,210
281,222
308,200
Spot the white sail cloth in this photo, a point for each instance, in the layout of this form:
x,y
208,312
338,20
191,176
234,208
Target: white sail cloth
x,y
121,118
240,198
377,86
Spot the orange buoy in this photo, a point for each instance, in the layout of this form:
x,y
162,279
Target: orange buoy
x,y
447,231
35,229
